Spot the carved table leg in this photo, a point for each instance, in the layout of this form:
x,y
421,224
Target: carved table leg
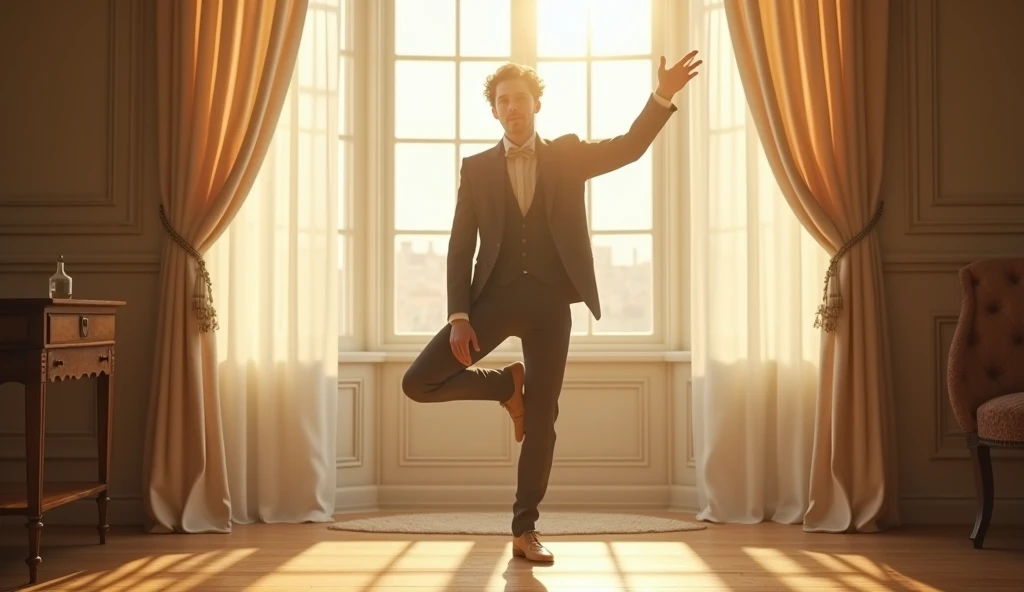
x,y
35,428
104,418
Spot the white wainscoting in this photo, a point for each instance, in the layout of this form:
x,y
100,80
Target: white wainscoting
x,y
623,441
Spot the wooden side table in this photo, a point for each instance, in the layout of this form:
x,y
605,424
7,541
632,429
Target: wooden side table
x,y
44,340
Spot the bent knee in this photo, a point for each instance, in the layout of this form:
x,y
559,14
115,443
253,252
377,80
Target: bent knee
x,y
414,386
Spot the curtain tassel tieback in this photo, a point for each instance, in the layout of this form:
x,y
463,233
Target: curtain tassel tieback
x,y
832,298
202,297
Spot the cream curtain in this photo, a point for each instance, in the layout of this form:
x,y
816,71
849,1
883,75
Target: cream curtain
x,y
277,266
756,276
222,74
814,76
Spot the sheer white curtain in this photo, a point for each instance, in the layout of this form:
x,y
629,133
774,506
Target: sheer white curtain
x,y
757,280
276,297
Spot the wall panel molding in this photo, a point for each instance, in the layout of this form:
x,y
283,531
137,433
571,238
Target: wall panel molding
x,y
116,208
80,263
634,438
942,263
640,440
407,457
930,209
691,449
356,387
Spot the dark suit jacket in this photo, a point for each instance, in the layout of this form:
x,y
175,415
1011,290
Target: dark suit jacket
x,y
563,167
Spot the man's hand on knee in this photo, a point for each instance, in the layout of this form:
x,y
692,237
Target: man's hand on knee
x,y
462,336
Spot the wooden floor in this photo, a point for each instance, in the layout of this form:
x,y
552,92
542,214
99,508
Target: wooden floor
x,y
309,556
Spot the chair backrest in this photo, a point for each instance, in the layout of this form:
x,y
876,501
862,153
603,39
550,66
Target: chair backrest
x,y
986,358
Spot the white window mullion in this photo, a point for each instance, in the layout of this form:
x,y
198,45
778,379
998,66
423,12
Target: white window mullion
x,y
524,32
379,124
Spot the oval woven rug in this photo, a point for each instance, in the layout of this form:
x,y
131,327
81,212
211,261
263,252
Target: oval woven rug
x,y
499,523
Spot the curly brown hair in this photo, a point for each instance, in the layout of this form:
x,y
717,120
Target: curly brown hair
x,y
512,72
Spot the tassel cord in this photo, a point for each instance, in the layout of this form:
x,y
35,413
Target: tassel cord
x,y
832,298
202,297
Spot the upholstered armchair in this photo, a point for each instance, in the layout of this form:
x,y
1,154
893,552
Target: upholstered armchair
x,y
985,377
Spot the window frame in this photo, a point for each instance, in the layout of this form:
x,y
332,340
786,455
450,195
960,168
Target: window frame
x,y
354,134
372,275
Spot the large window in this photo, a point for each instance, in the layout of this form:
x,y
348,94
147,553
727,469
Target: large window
x,y
598,59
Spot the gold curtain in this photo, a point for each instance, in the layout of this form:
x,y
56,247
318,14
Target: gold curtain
x,y
814,75
222,73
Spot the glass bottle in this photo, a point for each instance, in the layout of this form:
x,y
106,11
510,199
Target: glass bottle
x,y
60,282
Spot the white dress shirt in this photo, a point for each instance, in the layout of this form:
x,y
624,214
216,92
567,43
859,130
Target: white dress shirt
x,y
522,172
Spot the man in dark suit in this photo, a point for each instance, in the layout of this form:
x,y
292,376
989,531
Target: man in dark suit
x,y
525,197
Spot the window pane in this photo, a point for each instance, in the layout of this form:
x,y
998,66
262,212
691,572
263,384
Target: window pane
x,y
620,28
424,99
344,24
563,107
425,176
425,27
619,90
343,188
344,96
485,28
421,293
344,297
471,148
729,107
475,118
622,199
561,28
625,279
580,318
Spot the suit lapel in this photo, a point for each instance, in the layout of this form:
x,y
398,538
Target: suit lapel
x,y
499,172
546,176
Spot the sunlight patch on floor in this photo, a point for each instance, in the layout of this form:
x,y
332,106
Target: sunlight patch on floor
x,y
177,572
787,570
626,566
856,572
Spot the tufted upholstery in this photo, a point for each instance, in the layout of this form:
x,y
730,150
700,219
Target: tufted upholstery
x,y
985,376
1002,419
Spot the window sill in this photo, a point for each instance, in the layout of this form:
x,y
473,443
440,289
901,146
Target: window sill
x,y
611,356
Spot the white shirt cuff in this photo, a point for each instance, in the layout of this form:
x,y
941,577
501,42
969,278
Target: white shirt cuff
x,y
458,315
661,100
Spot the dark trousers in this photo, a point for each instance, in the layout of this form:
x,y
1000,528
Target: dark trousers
x,y
540,316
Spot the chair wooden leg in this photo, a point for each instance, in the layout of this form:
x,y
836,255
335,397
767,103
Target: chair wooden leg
x,y
981,463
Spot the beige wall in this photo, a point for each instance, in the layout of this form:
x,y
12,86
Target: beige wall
x,y
954,188
77,178
76,147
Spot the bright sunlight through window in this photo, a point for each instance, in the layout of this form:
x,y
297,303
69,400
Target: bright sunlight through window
x,y
598,61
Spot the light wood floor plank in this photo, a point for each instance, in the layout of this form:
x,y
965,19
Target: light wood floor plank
x,y
271,558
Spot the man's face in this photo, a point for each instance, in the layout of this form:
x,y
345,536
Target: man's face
x,y
514,107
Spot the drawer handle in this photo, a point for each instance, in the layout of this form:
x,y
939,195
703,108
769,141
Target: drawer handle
x,y
104,358
58,362
83,327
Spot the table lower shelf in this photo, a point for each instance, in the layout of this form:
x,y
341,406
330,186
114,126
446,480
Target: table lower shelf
x,y
13,502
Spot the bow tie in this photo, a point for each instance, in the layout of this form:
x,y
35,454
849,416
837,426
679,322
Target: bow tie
x,y
519,152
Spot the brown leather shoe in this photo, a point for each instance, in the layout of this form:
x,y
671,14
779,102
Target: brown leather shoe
x,y
528,545
516,405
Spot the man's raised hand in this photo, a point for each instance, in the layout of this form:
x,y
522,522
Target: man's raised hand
x,y
672,80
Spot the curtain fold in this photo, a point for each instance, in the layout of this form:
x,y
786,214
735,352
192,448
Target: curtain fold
x,y
222,72
756,274
814,78
278,270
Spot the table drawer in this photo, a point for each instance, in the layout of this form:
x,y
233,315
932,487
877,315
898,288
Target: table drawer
x,y
79,362
69,328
